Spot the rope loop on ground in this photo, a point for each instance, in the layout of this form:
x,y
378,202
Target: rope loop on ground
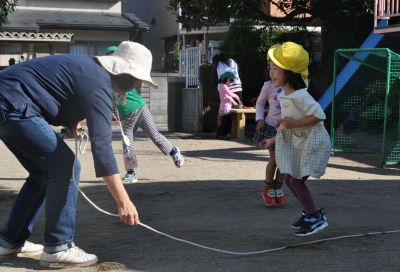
x,y
221,250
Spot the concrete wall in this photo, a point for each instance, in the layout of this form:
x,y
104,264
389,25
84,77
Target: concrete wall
x,y
157,100
192,103
162,23
174,107
166,105
175,85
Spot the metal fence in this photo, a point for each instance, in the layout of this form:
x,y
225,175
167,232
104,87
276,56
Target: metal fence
x,y
365,106
189,65
387,10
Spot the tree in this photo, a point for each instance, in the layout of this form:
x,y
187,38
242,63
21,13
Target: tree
x,y
334,16
203,13
248,45
345,23
6,6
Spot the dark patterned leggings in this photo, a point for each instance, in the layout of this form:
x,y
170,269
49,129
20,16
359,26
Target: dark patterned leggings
x,y
300,190
141,118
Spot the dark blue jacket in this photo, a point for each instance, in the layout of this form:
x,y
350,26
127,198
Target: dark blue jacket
x,y
65,89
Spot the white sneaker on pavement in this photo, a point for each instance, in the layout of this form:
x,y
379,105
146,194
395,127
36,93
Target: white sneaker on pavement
x,y
129,178
28,249
73,256
178,158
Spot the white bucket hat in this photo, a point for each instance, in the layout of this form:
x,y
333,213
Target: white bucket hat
x,y
130,58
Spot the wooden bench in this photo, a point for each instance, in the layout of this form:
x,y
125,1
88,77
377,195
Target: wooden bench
x,y
239,122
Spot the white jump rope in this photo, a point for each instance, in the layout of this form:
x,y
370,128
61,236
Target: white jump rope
x,y
84,137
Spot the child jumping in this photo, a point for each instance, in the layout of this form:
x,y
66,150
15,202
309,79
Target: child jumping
x,y
227,99
302,143
266,130
135,114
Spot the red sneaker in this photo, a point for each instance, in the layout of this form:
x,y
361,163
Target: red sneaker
x,y
268,196
279,197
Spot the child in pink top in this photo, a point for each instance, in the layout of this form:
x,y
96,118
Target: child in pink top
x,y
265,136
227,100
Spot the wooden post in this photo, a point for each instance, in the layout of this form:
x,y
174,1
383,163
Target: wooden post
x,y
239,122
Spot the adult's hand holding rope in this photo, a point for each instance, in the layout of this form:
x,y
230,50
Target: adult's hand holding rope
x,y
126,209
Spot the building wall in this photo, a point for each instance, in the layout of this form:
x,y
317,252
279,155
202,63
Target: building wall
x,y
96,5
98,40
157,99
93,35
162,23
271,10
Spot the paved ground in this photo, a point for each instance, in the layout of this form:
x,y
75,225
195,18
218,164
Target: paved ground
x,y
215,200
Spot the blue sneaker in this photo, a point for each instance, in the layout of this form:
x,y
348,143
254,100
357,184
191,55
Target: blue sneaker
x,y
312,225
300,222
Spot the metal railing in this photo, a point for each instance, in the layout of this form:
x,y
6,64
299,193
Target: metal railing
x,y
386,10
189,65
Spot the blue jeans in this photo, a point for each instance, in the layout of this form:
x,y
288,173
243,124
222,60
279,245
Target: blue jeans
x,y
49,162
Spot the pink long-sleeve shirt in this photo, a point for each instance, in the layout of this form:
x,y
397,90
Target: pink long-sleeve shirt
x,y
226,98
271,94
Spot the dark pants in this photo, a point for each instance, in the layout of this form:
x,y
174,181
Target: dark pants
x,y
226,125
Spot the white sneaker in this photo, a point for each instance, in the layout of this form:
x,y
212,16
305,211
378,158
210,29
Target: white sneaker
x,y
129,178
73,256
28,249
178,158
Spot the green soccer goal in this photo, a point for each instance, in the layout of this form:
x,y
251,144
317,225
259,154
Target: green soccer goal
x,y
365,104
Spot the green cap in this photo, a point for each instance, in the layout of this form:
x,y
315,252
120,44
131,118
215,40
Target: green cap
x,y
227,75
111,49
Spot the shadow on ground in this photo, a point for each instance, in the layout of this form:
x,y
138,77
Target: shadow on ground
x,y
230,215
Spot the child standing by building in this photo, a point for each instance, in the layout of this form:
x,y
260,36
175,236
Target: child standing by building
x,y
227,99
266,130
135,114
302,143
224,64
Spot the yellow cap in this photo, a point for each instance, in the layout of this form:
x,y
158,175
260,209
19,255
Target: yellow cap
x,y
291,56
273,46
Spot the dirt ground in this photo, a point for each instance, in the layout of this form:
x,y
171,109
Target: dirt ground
x,y
215,200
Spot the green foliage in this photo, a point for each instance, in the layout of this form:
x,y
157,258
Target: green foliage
x,y
172,59
6,6
269,36
345,24
204,13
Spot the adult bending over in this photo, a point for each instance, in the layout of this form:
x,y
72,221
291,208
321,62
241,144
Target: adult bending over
x,y
61,91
